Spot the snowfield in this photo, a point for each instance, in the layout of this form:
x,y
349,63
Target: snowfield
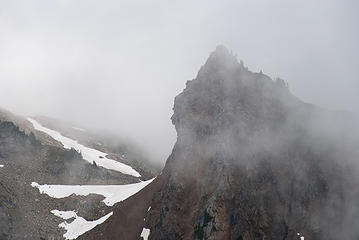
x,y
301,237
79,225
89,154
145,233
112,193
79,129
74,224
1,165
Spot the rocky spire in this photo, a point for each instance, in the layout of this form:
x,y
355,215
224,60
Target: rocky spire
x,y
245,165
221,61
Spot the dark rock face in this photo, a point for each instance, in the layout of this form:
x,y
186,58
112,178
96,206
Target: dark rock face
x,y
254,162
128,216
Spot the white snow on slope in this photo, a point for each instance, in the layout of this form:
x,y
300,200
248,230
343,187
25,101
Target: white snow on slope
x,y
79,129
79,225
112,193
1,165
301,237
89,154
145,233
64,214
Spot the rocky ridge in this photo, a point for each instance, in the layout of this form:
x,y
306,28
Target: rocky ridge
x,y
252,161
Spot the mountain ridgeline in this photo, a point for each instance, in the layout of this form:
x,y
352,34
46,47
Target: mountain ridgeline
x,y
29,158
252,161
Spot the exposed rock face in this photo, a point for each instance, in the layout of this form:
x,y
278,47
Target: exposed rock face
x,y
128,216
254,162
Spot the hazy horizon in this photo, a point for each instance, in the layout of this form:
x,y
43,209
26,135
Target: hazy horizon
x,y
118,65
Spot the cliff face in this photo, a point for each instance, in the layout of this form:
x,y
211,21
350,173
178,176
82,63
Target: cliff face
x,y
254,162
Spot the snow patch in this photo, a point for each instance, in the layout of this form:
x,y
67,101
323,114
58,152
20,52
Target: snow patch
x,y
149,209
1,165
89,154
112,193
145,233
79,225
301,237
64,214
79,129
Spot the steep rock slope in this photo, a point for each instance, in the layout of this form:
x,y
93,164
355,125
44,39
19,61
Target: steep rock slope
x,y
128,217
27,156
254,162
24,212
23,216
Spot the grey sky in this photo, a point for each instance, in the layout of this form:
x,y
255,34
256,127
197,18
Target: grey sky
x,y
119,64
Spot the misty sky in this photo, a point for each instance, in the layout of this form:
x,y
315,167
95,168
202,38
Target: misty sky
x,y
119,64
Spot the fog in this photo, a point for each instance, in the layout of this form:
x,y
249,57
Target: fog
x,y
118,65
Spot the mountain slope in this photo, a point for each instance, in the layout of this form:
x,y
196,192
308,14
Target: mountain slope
x,y
28,156
254,162
117,148
251,161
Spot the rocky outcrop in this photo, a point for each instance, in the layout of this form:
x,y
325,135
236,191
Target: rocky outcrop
x,y
252,161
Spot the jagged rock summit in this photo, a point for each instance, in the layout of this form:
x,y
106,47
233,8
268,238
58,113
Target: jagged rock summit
x,y
252,161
